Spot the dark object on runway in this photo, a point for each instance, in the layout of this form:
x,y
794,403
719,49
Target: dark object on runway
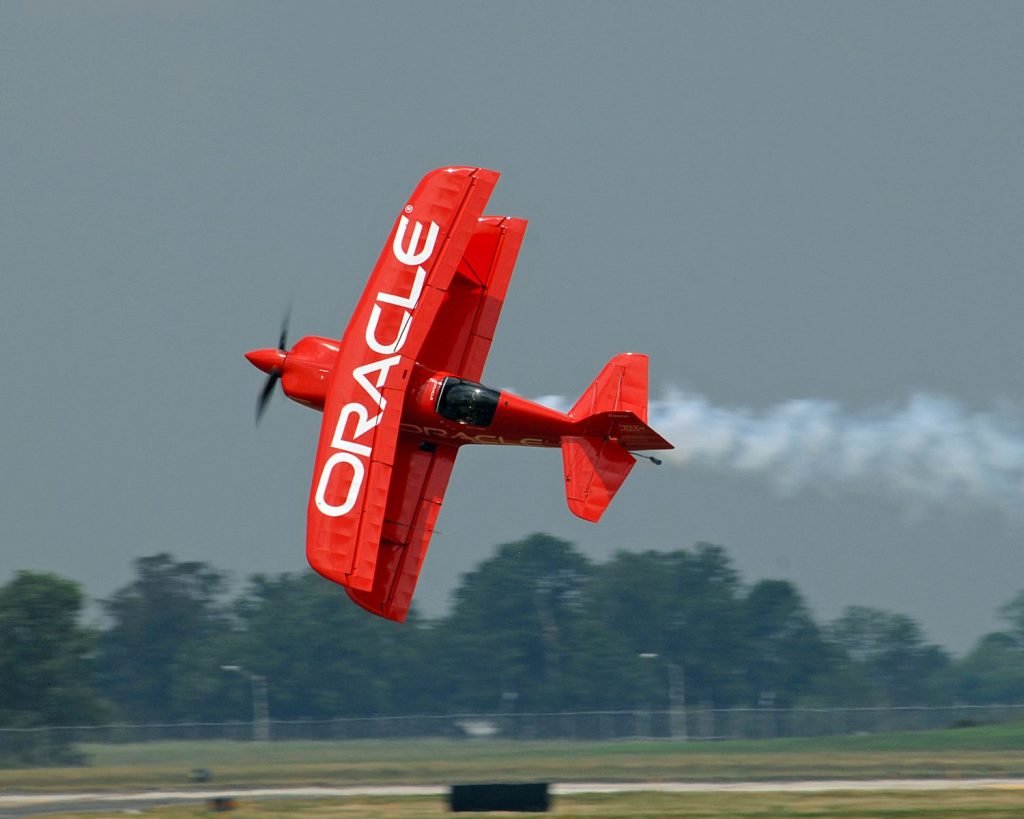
x,y
220,804
529,797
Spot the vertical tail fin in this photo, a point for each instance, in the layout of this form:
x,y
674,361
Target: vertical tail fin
x,y
611,419
621,385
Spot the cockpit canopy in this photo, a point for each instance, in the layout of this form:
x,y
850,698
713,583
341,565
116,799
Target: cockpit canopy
x,y
467,402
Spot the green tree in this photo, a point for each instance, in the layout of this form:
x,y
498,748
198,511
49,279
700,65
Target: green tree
x,y
169,633
45,667
323,656
510,637
1012,612
992,672
787,655
891,652
684,606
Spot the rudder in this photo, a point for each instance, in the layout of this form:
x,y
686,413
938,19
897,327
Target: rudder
x,y
621,385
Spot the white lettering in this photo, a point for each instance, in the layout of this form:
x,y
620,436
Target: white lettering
x,y
363,425
459,435
371,333
373,390
354,420
413,298
408,255
355,484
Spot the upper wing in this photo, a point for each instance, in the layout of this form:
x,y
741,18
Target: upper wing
x,y
461,334
359,443
457,341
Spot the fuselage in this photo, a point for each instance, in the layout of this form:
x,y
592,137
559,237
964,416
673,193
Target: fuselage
x,y
439,407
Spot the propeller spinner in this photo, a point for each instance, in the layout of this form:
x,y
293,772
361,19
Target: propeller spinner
x,y
270,361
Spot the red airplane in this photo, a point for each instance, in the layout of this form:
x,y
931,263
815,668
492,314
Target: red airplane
x,y
400,395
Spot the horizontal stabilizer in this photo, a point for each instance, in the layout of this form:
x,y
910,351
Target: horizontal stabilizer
x,y
594,470
627,430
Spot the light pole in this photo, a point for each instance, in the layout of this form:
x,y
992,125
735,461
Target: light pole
x,y
676,696
260,709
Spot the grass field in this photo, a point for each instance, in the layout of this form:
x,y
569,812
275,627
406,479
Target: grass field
x,y
994,751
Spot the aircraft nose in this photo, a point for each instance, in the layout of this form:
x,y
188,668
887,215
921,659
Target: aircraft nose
x,y
267,360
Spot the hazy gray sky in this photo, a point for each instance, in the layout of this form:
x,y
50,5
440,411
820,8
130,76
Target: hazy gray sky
x,y
775,201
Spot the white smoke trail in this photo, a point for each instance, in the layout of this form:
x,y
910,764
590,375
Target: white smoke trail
x,y
929,452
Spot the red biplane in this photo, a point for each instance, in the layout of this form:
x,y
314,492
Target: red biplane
x,y
400,394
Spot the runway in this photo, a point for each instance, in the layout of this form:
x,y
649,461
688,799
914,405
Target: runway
x,y
39,804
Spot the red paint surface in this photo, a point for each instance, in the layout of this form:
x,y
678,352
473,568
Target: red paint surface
x,y
385,454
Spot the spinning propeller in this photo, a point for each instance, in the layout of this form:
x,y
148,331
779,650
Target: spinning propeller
x,y
271,361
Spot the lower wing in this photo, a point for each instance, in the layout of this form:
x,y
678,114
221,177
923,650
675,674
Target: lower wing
x,y
419,478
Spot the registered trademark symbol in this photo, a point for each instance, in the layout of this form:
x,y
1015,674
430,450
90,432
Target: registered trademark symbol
x,y
408,208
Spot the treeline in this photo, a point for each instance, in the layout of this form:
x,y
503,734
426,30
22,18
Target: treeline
x,y
537,627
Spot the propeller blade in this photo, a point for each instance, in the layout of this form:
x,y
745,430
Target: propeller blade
x,y
282,343
268,390
268,361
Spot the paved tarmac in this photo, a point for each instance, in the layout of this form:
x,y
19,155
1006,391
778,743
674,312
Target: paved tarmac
x,y
40,804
